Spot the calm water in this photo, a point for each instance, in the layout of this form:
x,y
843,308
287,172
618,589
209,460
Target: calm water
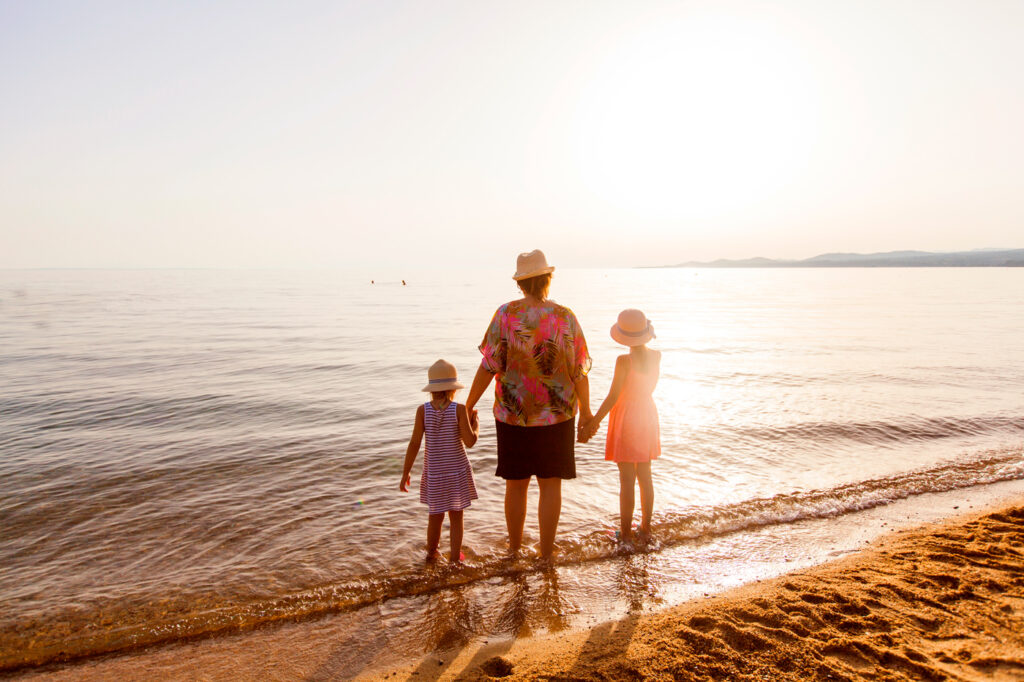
x,y
187,452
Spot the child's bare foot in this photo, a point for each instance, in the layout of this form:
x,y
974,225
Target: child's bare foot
x,y
432,557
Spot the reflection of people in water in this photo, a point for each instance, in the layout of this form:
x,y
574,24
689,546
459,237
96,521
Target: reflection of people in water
x,y
634,582
451,620
403,282
547,610
551,607
515,609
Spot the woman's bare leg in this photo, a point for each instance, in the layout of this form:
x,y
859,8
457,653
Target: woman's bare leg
x,y
515,511
455,534
434,522
627,480
548,511
643,475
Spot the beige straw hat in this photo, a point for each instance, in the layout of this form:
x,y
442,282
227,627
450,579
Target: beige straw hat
x,y
633,328
531,264
442,376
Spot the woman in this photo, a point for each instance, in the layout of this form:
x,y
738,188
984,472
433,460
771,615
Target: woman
x,y
535,350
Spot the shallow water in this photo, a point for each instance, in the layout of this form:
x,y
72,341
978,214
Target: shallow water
x,y
186,452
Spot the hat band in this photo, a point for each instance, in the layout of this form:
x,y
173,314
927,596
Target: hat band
x,y
442,381
639,333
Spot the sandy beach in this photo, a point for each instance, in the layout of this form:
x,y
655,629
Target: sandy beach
x,y
934,603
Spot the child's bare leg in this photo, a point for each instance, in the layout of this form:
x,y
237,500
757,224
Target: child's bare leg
x,y
455,534
627,480
434,522
643,475
515,511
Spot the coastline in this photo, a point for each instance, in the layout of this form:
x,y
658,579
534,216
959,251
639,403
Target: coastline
x,y
935,601
942,601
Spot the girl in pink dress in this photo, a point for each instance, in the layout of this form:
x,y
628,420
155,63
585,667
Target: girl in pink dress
x,y
634,438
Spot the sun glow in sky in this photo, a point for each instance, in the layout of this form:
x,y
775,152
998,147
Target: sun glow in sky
x,y
384,134
665,126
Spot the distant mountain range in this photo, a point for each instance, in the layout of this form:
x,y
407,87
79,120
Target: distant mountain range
x,y
979,258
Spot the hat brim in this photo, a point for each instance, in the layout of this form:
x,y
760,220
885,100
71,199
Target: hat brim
x,y
535,273
628,340
446,386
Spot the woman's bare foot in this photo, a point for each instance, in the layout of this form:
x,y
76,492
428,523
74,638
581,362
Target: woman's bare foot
x,y
544,564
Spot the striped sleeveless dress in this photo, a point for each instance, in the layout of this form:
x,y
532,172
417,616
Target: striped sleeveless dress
x,y
447,483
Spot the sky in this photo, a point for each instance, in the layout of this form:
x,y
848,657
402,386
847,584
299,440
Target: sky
x,y
410,134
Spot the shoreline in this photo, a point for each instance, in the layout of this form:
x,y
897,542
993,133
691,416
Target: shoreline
x,y
940,601
921,603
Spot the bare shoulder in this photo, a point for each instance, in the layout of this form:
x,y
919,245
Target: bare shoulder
x,y
656,354
623,361
419,412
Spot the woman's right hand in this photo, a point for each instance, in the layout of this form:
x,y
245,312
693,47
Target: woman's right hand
x,y
404,485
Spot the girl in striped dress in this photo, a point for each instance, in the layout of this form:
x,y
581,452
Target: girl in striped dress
x,y
447,482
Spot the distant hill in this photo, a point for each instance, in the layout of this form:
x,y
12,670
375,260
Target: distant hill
x,y
980,258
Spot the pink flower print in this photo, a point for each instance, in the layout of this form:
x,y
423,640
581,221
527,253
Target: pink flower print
x,y
537,390
551,327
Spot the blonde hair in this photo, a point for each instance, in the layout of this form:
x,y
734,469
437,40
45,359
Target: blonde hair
x,y
536,286
442,395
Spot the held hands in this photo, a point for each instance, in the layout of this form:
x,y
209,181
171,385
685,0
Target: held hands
x,y
474,421
581,428
587,428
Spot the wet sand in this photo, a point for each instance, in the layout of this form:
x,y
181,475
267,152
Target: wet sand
x,y
945,601
942,601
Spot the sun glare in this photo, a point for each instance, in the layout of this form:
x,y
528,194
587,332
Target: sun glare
x,y
695,118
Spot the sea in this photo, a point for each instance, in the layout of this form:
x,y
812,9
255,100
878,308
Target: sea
x,y
193,455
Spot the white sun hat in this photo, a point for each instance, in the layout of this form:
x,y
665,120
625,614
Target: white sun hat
x,y
532,264
633,328
442,376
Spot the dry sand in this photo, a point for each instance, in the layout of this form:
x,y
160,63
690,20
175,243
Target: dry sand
x,y
934,603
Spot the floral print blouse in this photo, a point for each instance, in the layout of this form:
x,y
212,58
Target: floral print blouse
x,y
536,353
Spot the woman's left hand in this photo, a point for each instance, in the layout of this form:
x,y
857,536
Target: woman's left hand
x,y
581,430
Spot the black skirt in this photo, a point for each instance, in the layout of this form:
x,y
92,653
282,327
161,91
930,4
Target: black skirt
x,y
541,451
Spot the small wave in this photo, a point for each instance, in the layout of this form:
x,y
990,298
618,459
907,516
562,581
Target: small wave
x,y
80,634
845,499
880,432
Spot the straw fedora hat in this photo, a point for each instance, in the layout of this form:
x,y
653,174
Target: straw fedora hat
x,y
531,264
442,376
633,328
